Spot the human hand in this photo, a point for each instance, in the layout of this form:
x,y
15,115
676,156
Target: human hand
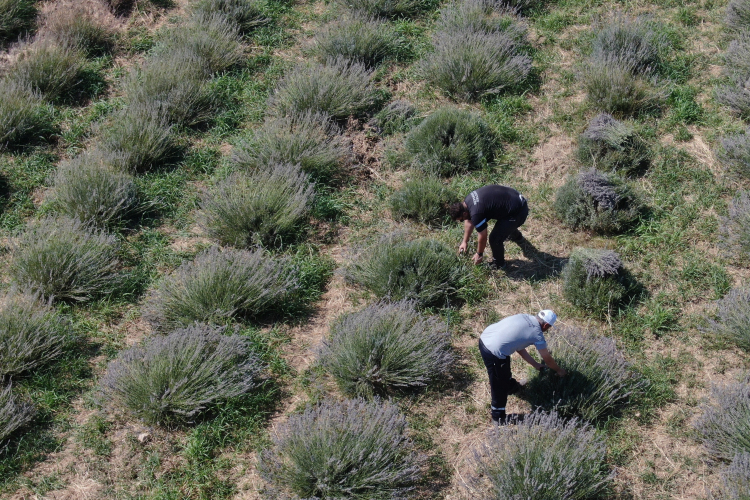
x,y
462,248
477,258
561,372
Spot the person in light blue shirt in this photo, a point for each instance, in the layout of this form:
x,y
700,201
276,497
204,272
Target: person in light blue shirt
x,y
514,334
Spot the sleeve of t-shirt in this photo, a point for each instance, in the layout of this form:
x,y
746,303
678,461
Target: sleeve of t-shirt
x,y
479,221
540,342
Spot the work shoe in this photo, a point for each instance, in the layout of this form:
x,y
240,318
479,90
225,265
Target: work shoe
x,y
495,266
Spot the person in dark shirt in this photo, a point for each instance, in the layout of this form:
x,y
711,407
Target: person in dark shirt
x,y
503,204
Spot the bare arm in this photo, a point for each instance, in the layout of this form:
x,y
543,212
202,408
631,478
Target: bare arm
x,y
468,228
527,357
549,360
481,244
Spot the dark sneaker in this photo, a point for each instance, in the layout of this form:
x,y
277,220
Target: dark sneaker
x,y
495,266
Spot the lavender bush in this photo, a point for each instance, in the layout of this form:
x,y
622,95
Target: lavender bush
x,y
50,69
733,318
386,346
247,14
397,116
724,424
221,284
24,118
422,270
736,94
364,39
16,18
339,88
14,414
599,384
310,140
738,15
735,228
89,189
174,378
422,198
451,140
599,202
632,41
352,449
266,207
31,332
613,86
388,8
542,456
611,145
734,152
735,480
63,259
595,280
77,28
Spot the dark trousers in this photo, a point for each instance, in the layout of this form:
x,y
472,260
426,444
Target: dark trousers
x,y
507,228
502,382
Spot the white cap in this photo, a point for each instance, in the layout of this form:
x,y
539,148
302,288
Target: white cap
x,y
548,316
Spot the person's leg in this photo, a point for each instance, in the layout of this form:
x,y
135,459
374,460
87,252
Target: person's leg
x,y
518,220
501,231
501,382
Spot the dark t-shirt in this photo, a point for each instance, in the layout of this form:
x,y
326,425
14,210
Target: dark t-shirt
x,y
492,202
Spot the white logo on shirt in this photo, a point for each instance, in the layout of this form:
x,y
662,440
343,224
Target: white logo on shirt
x,y
474,197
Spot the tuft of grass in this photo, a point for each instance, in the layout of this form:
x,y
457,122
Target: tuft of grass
x,y
595,281
386,347
734,229
600,382
310,140
266,207
599,202
62,259
424,199
423,270
733,318
352,449
175,378
32,333
397,116
222,284
89,189
53,70
340,88
17,17
723,424
611,145
77,28
389,8
366,40
247,14
542,456
14,414
451,140
24,117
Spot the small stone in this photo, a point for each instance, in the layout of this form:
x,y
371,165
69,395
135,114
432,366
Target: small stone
x,y
144,437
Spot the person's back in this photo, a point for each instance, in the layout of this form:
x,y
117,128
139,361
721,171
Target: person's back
x,y
492,202
513,334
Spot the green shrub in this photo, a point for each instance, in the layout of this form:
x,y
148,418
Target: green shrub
x,y
600,383
138,139
89,189
247,14
366,40
599,202
397,116
31,332
422,270
734,230
612,145
422,198
738,15
468,64
24,118
723,426
596,281
266,207
219,285
451,140
16,18
385,347
174,378
14,414
62,259
171,84
309,140
77,28
389,8
339,88
350,449
542,456
52,70
612,87
735,480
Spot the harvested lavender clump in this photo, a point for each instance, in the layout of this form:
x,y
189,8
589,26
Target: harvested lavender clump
x,y
351,449
542,456
725,423
386,346
600,381
174,378
595,280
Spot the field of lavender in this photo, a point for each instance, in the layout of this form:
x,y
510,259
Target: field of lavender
x,y
228,271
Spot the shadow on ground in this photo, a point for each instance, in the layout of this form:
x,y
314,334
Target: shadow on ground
x,y
539,266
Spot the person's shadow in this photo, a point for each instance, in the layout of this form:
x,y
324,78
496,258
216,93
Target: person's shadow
x,y
539,266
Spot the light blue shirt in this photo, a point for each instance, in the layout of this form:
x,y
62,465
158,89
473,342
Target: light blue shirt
x,y
513,334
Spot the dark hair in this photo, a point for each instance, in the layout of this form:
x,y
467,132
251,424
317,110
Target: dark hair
x,y
457,210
